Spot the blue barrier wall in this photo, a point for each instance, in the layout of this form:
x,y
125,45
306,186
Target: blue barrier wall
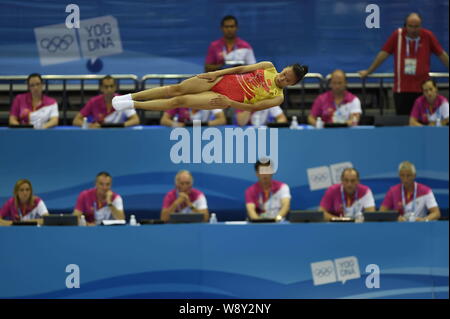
x,y
161,36
62,162
227,261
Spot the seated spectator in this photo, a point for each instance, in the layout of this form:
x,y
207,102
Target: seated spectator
x,y
337,105
430,107
34,107
100,203
260,117
413,201
98,110
23,206
184,198
347,198
267,198
179,117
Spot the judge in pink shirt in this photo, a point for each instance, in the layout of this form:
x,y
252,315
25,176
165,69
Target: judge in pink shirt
x,y
431,108
412,200
184,198
348,198
100,203
34,107
337,105
23,206
98,110
267,198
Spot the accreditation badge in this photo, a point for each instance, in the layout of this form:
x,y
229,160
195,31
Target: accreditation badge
x,y
410,66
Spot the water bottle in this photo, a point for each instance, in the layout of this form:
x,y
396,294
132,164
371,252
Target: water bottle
x,y
412,217
319,123
213,219
85,123
38,124
82,221
175,121
256,121
294,123
359,217
438,122
133,221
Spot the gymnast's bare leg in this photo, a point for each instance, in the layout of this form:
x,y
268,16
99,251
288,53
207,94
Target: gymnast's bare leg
x,y
195,101
189,86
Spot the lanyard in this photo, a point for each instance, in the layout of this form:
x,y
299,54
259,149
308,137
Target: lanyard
x,y
428,111
344,205
269,200
414,198
183,206
19,210
416,46
225,51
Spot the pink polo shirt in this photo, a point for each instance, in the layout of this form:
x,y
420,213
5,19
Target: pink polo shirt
x,y
425,114
96,111
325,107
196,197
332,200
96,211
218,53
267,204
11,212
424,200
22,109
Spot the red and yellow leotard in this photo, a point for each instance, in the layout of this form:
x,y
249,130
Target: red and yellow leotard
x,y
249,87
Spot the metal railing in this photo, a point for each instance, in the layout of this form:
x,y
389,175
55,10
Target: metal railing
x,y
162,79
301,86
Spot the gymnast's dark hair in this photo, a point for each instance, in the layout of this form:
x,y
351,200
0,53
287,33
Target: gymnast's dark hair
x,y
300,71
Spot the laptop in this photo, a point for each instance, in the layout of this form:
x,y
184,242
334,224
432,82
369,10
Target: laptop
x,y
263,220
61,220
112,125
305,216
25,223
335,125
21,126
388,216
275,124
178,218
151,221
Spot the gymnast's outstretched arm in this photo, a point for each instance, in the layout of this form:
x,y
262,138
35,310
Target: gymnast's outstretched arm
x,y
211,76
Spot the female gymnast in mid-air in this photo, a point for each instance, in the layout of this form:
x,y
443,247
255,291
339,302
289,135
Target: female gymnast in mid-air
x,y
250,88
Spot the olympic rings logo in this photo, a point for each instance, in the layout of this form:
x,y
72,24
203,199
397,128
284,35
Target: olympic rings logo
x,y
318,178
61,43
323,272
